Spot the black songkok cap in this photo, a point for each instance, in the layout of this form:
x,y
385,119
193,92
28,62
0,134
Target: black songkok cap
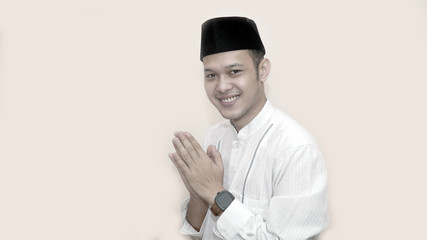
x,y
229,33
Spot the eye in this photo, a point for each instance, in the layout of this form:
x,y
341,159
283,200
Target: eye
x,y
235,71
210,75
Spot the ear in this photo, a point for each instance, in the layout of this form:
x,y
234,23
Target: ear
x,y
264,70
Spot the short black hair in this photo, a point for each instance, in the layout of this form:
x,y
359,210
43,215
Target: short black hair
x,y
257,56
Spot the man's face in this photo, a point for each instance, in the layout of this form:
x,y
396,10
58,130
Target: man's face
x,y
232,85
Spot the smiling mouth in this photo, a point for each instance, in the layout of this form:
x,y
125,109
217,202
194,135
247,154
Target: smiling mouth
x,y
230,99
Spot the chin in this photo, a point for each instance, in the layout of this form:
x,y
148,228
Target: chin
x,y
229,115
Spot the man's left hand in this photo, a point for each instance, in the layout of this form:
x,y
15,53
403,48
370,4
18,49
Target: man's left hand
x,y
202,172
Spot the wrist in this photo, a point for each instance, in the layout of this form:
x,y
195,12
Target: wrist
x,y
197,198
222,200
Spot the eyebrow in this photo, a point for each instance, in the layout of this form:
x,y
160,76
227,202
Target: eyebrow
x,y
234,65
228,66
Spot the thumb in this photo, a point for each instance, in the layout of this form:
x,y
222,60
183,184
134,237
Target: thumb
x,y
214,155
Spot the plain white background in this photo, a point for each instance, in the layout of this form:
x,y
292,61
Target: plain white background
x,y
92,91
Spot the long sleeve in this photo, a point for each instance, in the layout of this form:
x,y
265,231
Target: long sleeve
x,y
278,176
298,209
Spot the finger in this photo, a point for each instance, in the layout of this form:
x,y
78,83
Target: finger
x,y
181,173
184,179
182,152
215,155
188,146
176,147
195,144
179,164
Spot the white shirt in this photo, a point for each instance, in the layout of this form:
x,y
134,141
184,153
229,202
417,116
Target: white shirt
x,y
277,174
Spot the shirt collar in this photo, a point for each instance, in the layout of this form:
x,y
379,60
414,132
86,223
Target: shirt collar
x,y
262,117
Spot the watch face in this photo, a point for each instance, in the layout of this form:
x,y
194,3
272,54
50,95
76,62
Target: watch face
x,y
224,200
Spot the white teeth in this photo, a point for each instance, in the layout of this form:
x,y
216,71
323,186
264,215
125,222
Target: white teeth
x,y
230,99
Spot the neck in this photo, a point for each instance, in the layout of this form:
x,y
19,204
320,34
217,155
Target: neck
x,y
238,124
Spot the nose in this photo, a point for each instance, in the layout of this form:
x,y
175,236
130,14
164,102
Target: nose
x,y
224,85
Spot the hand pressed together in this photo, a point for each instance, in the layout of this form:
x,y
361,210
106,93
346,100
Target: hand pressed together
x,y
202,173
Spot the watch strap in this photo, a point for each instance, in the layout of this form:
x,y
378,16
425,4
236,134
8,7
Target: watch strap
x,y
216,211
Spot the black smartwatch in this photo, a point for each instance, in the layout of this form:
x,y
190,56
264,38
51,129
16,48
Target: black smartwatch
x,y
222,201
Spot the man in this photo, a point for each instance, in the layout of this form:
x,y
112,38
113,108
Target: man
x,y
262,175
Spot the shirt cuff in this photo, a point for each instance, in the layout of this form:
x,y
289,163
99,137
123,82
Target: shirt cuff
x,y
188,230
232,220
